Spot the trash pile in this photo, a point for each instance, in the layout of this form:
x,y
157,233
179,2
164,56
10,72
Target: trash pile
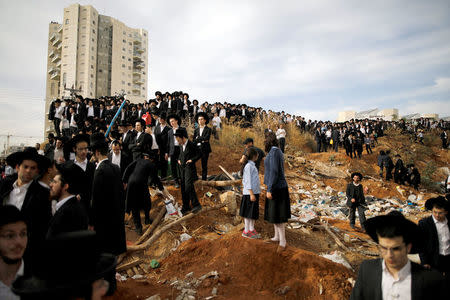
x,y
327,202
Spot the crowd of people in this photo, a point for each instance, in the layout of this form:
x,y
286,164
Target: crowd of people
x,y
94,172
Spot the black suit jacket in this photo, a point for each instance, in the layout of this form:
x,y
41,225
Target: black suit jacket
x,y
127,141
162,137
125,160
87,179
71,216
189,171
425,284
170,141
37,212
203,139
108,208
430,251
140,145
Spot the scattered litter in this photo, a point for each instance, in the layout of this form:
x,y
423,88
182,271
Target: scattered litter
x,y
184,237
137,276
337,257
154,264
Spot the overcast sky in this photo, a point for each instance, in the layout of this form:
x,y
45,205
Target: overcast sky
x,y
310,58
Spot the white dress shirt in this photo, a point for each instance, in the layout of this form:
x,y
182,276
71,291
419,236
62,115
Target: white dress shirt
x,y
90,111
17,195
59,112
396,289
443,236
154,143
5,291
115,159
175,142
82,164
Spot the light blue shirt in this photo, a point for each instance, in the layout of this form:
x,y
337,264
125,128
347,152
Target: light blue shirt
x,y
250,179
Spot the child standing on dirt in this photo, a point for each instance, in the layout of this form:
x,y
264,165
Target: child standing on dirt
x,y
249,209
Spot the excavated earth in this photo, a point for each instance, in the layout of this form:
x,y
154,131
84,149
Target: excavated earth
x,y
217,263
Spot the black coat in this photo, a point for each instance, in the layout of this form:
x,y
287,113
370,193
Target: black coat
x,y
355,192
425,284
162,138
140,145
170,142
71,216
87,179
203,139
108,210
138,175
189,171
125,160
127,141
430,251
37,212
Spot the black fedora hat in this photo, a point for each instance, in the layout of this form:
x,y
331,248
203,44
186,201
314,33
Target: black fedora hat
x,y
407,228
79,138
29,153
181,132
356,174
124,123
72,263
202,114
176,117
440,201
98,140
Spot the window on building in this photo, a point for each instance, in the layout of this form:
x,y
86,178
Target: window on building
x,y
129,43
129,59
66,46
123,65
92,75
64,78
129,84
124,33
129,68
145,34
93,22
92,57
100,70
124,41
82,54
93,30
123,82
67,21
123,49
92,66
92,48
92,85
92,39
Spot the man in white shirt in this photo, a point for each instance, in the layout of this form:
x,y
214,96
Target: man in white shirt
x,y
394,276
436,232
59,110
13,242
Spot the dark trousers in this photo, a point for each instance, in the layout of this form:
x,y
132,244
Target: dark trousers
x,y
56,123
162,164
319,146
136,212
188,194
388,173
205,157
444,265
362,216
174,164
336,145
282,142
368,149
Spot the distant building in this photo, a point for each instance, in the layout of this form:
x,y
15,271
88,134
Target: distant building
x,y
390,114
96,54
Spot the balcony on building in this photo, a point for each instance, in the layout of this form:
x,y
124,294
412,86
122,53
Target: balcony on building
x,y
137,39
56,58
57,40
60,29
136,88
58,64
138,81
138,66
52,38
54,76
136,72
51,54
138,49
136,56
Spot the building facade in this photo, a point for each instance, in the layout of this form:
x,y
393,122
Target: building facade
x,y
97,56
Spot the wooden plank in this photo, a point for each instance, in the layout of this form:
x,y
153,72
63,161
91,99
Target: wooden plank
x,y
151,228
129,265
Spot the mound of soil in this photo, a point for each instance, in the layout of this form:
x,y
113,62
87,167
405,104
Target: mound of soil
x,y
248,269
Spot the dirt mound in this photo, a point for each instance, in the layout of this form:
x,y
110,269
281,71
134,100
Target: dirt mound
x,y
251,269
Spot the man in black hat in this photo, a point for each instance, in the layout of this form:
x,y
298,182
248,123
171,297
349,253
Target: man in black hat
x,y
70,214
142,141
50,146
399,170
189,155
13,242
202,134
136,178
356,200
108,207
127,136
25,193
248,143
75,268
80,145
118,157
173,147
161,134
394,276
436,232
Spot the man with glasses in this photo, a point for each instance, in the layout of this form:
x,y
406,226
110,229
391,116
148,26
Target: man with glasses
x,y
436,232
13,242
394,276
